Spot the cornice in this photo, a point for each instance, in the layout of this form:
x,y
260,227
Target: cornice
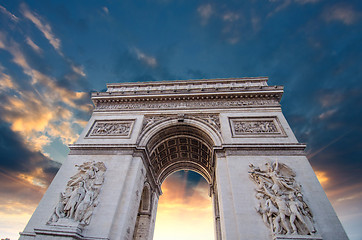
x,y
119,96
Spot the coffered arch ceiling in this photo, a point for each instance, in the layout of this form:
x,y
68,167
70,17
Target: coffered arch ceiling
x,y
181,147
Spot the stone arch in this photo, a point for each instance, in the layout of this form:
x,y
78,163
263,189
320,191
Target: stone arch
x,y
181,146
182,143
208,130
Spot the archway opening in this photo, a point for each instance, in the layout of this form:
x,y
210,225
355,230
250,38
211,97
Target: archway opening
x,y
180,147
185,208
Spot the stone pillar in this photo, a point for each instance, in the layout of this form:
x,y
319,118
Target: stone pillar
x,y
215,204
239,204
228,220
155,198
116,212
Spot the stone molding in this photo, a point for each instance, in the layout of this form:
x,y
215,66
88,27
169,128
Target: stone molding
x,y
196,94
296,237
200,85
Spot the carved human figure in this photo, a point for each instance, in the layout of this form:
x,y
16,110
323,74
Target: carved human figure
x,y
88,213
272,211
262,208
283,210
77,201
297,212
281,200
75,198
84,204
58,210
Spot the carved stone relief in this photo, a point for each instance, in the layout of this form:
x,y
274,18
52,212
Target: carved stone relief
x,y
183,104
246,127
116,128
255,127
150,120
280,200
212,119
80,197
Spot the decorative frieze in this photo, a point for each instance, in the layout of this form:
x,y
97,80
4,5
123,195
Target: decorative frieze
x,y
80,197
250,127
111,128
280,201
195,104
211,119
150,120
241,127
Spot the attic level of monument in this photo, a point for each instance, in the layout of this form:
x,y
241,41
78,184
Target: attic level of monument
x,y
188,94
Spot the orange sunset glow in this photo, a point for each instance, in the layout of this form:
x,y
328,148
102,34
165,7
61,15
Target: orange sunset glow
x,y
184,212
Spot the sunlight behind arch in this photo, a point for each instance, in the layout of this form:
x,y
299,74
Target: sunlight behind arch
x,y
185,208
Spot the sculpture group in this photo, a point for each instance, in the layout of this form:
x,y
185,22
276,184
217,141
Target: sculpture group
x,y
280,200
79,199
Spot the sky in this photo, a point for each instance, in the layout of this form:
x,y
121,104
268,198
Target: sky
x,y
53,54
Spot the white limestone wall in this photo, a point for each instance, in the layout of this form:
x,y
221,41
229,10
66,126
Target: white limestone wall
x,y
115,214
126,212
239,219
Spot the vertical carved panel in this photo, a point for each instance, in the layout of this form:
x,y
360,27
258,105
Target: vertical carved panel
x,y
280,201
80,197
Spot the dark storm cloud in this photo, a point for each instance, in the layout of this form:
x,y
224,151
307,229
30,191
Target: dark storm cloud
x,y
332,132
17,157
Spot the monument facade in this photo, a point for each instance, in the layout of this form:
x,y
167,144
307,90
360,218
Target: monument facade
x,y
230,131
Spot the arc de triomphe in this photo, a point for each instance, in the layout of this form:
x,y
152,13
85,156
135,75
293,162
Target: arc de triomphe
x,y
231,131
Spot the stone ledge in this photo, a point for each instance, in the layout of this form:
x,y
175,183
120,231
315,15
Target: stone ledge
x,y
296,237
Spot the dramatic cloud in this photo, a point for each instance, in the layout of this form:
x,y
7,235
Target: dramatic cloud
x,y
205,12
230,17
34,113
9,14
150,61
341,12
44,27
106,10
79,70
6,81
35,47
